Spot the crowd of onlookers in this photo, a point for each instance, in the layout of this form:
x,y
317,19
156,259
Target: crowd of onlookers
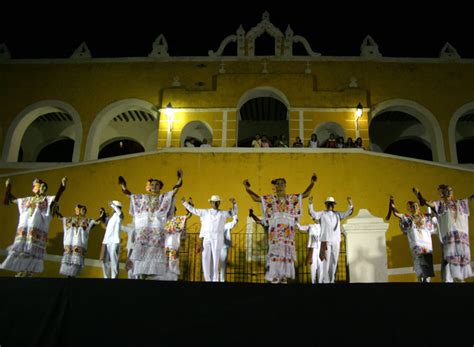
x,y
263,141
313,142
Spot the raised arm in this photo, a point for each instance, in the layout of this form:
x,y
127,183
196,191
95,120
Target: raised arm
x,y
102,217
312,212
254,217
306,193
392,209
123,185
61,189
233,211
422,200
255,197
191,208
349,210
179,183
9,198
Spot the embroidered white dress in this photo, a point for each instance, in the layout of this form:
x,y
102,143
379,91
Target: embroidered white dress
x,y
76,235
150,213
28,249
281,215
453,217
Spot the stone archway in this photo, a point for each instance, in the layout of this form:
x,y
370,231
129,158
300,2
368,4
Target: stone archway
x,y
454,133
128,111
263,110
30,114
428,121
198,130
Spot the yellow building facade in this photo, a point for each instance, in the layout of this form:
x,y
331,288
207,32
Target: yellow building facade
x,y
93,103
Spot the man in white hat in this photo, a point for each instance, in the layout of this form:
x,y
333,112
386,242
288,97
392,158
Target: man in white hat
x,y
109,254
212,234
330,222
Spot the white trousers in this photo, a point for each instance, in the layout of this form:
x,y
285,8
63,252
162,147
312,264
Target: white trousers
x,y
316,267
329,266
110,264
210,259
223,263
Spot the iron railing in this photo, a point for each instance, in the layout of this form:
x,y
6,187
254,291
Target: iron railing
x,y
246,257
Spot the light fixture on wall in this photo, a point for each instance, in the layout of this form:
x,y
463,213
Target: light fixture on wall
x,y
357,116
169,111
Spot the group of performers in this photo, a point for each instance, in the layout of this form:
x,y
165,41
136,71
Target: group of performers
x,y
155,234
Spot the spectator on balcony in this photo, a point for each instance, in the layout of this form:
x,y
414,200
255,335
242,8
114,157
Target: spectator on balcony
x,y
358,143
204,143
313,141
340,142
282,142
257,141
349,143
280,213
265,142
298,143
189,142
331,142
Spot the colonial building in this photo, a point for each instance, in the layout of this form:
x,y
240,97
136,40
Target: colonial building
x,y
79,116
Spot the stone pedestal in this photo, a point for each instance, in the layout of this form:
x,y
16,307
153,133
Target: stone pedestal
x,y
366,248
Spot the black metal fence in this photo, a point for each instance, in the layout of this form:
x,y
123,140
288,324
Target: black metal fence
x,y
246,257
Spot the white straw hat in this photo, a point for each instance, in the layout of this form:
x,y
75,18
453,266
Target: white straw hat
x,y
116,203
214,198
330,199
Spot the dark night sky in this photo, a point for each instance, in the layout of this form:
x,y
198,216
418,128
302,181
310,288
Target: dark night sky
x,y
399,29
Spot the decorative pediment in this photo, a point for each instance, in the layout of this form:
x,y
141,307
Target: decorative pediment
x,y
160,48
448,52
369,49
246,41
82,52
4,52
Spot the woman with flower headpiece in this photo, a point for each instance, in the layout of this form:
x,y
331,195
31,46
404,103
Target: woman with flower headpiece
x,y
418,227
26,254
150,212
76,235
453,219
281,211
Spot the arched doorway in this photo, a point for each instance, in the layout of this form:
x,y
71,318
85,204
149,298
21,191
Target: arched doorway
x,y
58,151
262,111
39,125
412,148
398,119
117,147
197,130
133,119
324,130
465,151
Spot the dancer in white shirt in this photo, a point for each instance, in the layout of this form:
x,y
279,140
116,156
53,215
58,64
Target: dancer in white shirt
x,y
330,221
212,234
314,246
227,245
111,242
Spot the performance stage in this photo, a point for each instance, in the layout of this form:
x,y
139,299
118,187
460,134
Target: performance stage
x,y
96,312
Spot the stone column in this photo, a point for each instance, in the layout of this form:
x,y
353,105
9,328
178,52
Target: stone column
x,y
366,248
